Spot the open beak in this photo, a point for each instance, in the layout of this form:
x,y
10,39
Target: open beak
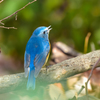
x,y
49,28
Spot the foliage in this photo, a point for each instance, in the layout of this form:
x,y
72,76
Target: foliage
x,y
71,20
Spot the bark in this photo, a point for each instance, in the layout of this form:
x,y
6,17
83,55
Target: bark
x,y
55,73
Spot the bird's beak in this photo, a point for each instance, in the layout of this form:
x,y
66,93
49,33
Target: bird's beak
x,y
49,28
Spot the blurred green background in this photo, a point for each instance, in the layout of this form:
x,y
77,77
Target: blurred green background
x,y
71,20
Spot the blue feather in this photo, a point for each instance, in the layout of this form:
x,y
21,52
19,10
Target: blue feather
x,y
31,80
36,53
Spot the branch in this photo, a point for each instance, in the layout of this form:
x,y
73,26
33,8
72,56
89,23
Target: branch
x,y
8,27
15,13
55,73
1,1
86,88
86,42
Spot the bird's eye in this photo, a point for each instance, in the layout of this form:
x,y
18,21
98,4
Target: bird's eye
x,y
44,32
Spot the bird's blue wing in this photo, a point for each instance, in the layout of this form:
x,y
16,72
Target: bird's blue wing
x,y
26,63
39,61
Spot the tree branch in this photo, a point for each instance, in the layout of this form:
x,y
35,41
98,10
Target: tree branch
x,y
55,73
15,13
8,27
86,88
1,1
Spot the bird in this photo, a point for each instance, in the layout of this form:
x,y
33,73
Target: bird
x,y
36,54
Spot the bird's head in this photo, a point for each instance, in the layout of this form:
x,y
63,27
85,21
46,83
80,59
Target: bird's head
x,y
42,32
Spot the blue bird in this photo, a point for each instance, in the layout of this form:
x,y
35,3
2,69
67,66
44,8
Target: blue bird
x,y
36,54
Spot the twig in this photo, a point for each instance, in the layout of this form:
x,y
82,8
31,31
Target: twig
x,y
15,12
8,27
81,89
55,73
2,23
93,69
86,42
94,66
1,1
74,98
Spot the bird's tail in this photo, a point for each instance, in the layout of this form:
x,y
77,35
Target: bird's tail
x,y
31,80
